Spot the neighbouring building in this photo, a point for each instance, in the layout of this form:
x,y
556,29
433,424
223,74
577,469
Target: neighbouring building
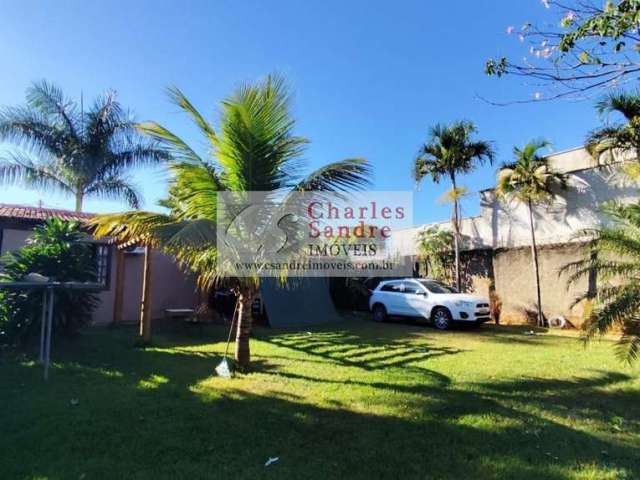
x,y
119,270
496,252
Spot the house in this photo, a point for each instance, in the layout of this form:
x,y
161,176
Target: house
x,y
119,270
496,244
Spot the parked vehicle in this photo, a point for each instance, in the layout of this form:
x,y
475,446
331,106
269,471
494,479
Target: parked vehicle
x,y
429,299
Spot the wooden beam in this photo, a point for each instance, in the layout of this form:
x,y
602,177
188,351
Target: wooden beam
x,y
145,304
119,287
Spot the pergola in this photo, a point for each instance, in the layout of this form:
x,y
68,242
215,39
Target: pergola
x,y
46,322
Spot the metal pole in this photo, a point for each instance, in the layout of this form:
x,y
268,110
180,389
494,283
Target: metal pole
x,y
47,352
43,322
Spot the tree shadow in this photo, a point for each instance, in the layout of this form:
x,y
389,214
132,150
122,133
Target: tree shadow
x,y
158,413
366,352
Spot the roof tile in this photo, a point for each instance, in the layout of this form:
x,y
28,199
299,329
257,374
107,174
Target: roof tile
x,y
26,212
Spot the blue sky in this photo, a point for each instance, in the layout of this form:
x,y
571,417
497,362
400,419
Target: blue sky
x,y
369,77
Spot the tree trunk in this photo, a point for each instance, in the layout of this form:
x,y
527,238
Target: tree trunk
x,y
534,256
145,304
456,233
79,200
243,353
119,286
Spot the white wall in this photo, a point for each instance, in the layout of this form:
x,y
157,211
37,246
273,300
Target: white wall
x,y
505,224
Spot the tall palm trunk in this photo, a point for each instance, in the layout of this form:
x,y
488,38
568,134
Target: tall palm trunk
x,y
534,256
79,200
243,353
456,233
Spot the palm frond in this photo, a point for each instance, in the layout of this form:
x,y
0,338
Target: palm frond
x,y
31,130
139,154
130,227
177,148
115,188
342,176
625,103
19,169
256,147
47,98
194,190
177,97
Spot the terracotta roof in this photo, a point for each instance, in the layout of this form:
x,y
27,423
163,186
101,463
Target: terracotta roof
x,y
26,212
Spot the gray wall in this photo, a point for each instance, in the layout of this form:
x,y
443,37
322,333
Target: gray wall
x,y
515,283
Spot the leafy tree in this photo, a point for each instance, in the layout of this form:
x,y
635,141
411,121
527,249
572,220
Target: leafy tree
x,y
531,180
615,259
434,246
589,45
56,250
451,151
254,149
68,150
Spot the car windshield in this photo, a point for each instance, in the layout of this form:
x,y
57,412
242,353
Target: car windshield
x,y
437,287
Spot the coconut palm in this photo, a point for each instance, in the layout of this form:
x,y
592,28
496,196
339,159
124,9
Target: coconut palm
x,y
531,180
615,259
65,149
253,149
617,137
449,152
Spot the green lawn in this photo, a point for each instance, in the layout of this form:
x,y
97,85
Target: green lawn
x,y
361,400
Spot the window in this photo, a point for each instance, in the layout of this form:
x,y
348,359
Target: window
x,y
410,287
102,257
395,287
437,287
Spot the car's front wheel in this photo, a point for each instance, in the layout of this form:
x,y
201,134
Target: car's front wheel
x,y
441,318
379,313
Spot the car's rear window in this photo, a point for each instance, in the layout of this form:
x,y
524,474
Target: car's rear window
x,y
392,287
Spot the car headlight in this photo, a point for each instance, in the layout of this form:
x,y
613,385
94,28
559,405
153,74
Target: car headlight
x,y
463,304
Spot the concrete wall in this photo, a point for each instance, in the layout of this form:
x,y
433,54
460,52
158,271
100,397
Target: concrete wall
x,y
515,283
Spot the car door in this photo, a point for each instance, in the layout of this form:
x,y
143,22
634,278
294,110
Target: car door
x,y
391,294
416,300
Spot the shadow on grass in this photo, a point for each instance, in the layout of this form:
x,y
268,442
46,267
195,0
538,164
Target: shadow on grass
x,y
142,414
366,352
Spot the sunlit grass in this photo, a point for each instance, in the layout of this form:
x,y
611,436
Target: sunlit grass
x,y
360,400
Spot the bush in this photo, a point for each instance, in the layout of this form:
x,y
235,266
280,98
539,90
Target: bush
x,y
56,250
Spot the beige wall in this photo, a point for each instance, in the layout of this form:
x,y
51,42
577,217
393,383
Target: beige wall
x,y
170,287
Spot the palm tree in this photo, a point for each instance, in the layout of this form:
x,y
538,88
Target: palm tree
x,y
253,149
616,138
68,150
531,180
615,259
450,151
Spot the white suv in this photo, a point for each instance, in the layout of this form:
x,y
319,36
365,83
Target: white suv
x,y
417,297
